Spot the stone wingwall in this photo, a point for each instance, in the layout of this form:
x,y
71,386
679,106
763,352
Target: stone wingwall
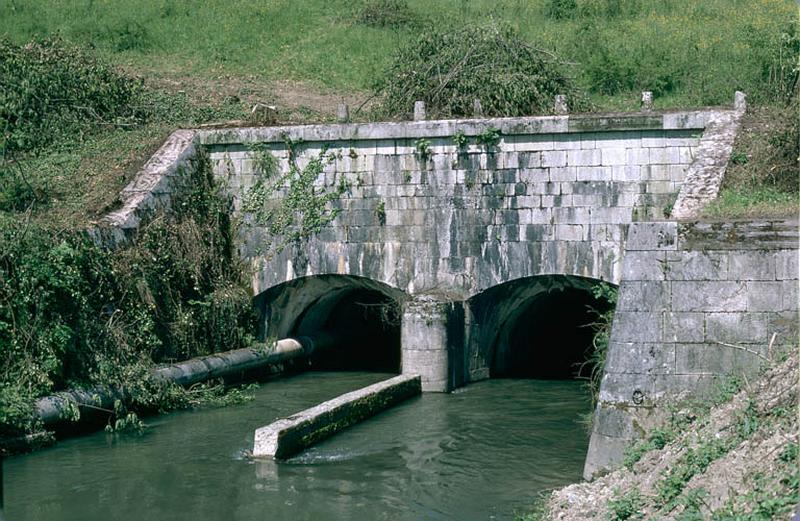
x,y
697,301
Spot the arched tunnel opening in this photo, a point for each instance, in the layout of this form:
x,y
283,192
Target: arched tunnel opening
x,y
542,327
362,331
352,323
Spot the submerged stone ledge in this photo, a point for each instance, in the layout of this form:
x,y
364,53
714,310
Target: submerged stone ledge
x,y
290,435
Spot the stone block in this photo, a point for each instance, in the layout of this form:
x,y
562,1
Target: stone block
x,y
785,326
624,388
652,236
638,156
786,265
684,327
529,159
765,296
635,358
659,156
626,173
614,156
569,232
611,216
594,173
752,265
699,385
635,326
534,175
650,296
554,158
561,174
737,328
588,139
709,296
704,359
566,142
697,265
644,265
653,138
288,436
612,424
789,293
585,157
657,173
622,139
532,143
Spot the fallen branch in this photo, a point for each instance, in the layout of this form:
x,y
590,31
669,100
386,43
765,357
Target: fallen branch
x,y
751,351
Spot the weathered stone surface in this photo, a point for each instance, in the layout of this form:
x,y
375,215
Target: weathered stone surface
x,y
697,265
709,296
636,326
288,436
652,236
704,359
684,327
731,286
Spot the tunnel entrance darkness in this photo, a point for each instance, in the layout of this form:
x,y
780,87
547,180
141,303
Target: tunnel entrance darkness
x,y
551,337
359,332
352,322
539,327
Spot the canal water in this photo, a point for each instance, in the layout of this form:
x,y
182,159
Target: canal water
x,y
483,452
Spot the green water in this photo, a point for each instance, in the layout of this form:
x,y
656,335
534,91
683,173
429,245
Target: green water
x,y
480,453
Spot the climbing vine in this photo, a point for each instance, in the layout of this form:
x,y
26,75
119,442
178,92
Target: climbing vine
x,y
290,205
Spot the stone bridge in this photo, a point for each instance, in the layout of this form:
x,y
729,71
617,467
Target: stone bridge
x,y
466,249
464,238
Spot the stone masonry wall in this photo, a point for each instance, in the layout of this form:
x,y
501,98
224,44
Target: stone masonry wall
x,y
555,195
696,301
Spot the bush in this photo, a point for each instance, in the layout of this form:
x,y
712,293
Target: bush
x,y
49,89
75,314
449,69
562,9
386,13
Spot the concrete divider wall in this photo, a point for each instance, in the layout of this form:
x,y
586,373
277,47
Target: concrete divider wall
x,y
287,436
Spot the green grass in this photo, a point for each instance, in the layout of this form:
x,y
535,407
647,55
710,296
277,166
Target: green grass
x,y
690,53
753,202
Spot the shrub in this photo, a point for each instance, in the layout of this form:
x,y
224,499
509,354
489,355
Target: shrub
x,y
73,313
386,13
449,69
50,89
562,9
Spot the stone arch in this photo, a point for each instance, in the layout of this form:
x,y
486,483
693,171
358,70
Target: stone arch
x,y
537,326
353,322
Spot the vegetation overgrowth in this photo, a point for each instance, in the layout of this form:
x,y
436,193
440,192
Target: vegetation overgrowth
x,y
79,114
75,314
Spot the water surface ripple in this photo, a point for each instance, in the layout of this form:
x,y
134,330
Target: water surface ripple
x,y
480,453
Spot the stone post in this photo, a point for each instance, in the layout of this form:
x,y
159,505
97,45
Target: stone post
x,y
560,106
342,113
477,109
647,101
739,101
431,335
419,111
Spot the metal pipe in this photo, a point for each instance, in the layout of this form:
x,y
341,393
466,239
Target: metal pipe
x,y
55,409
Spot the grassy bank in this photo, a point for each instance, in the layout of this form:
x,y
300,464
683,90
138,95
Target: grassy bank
x,y
731,456
687,52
